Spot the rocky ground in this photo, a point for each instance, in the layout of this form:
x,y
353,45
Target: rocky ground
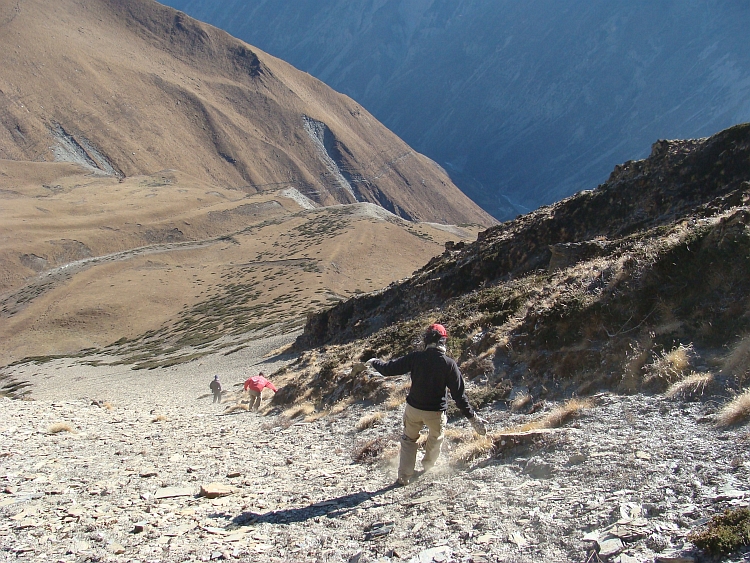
x,y
626,481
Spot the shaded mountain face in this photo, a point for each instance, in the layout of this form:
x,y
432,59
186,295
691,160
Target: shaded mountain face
x,y
523,103
133,87
585,293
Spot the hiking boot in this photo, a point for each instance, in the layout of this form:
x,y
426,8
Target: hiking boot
x,y
402,481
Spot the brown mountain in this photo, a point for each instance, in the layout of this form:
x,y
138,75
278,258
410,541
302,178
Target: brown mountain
x,y
132,87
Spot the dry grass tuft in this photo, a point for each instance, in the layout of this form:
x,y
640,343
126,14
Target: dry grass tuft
x,y
520,402
60,427
457,436
691,386
557,416
237,407
736,411
482,447
107,405
393,403
316,416
737,362
370,420
305,409
369,452
669,367
397,397
160,418
339,407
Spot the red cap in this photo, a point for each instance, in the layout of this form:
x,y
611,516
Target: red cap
x,y
440,329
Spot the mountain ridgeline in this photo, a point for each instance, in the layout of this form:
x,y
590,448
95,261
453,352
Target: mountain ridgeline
x,y
523,103
133,87
578,292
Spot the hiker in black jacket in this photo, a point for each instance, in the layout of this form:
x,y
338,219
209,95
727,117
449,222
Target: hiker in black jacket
x,y
433,374
215,387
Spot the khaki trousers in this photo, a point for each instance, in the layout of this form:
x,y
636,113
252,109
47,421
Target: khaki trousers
x,y
255,399
414,420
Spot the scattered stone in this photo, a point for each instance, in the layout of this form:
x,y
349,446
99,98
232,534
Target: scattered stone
x,y
727,492
610,547
674,559
577,459
378,529
440,554
518,539
216,490
538,469
173,492
423,500
116,548
658,542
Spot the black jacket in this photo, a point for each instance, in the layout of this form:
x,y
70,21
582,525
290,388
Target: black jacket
x,y
433,374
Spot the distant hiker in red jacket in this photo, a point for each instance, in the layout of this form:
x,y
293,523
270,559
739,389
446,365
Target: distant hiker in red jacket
x,y
254,386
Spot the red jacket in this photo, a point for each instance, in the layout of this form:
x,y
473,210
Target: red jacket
x,y
257,383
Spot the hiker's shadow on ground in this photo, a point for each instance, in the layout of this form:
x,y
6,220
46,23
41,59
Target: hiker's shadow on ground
x,y
332,508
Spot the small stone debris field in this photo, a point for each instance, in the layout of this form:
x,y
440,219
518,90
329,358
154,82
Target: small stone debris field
x,y
153,471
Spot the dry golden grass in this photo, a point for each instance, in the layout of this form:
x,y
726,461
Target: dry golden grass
x,y
305,409
390,452
736,411
370,451
737,362
370,420
520,402
160,418
393,403
60,427
679,358
107,405
483,446
317,416
692,385
237,407
339,407
457,436
669,367
557,416
397,397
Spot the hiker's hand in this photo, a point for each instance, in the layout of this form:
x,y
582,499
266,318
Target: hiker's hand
x,y
479,424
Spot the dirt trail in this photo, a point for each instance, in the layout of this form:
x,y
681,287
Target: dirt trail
x,y
633,475
12,302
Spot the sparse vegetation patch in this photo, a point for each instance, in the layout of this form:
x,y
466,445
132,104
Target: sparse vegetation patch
x,y
736,411
725,533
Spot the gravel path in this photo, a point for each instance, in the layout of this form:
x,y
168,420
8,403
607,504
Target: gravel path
x,y
631,477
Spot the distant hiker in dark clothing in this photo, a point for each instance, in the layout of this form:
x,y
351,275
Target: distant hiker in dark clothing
x,y
254,386
433,374
215,387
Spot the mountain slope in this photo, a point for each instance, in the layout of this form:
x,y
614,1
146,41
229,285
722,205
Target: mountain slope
x,y
523,103
133,87
594,291
169,267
